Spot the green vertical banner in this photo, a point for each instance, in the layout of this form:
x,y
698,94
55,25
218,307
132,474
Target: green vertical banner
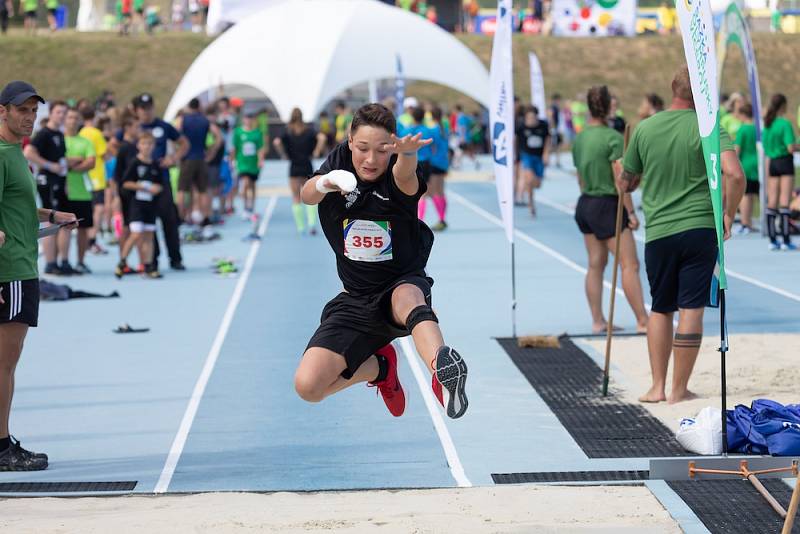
x,y
697,29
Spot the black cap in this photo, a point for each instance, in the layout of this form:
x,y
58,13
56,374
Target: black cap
x,y
144,100
17,93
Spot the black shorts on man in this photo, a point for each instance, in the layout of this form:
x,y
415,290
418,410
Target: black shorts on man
x,y
679,269
83,212
598,216
753,187
379,243
21,302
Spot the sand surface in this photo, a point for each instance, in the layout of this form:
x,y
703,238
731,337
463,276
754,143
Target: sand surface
x,y
503,509
758,366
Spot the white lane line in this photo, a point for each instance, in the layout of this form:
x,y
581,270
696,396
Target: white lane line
x,y
199,388
528,239
456,469
733,274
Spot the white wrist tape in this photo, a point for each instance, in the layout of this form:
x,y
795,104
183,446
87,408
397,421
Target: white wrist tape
x,y
344,180
321,187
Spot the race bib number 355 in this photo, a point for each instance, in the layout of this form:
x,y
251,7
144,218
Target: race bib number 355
x,y
367,240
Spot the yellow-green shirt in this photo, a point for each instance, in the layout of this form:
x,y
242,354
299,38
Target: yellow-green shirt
x,y
98,174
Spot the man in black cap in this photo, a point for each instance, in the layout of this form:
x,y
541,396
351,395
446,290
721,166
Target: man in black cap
x,y
164,132
19,275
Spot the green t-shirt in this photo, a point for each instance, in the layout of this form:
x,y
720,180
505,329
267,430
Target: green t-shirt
x,y
578,110
79,185
593,151
247,143
138,5
777,137
666,150
52,4
748,154
30,5
19,218
731,124
263,124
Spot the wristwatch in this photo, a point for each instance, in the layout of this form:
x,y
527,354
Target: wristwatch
x,y
52,217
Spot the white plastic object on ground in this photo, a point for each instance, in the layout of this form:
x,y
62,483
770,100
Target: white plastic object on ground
x,y
702,434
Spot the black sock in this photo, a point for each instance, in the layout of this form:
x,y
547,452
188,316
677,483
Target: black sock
x,y
92,241
5,443
771,224
383,369
784,214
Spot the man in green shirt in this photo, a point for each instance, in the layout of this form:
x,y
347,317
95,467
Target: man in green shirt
x,y
249,151
666,155
19,275
80,159
30,7
52,6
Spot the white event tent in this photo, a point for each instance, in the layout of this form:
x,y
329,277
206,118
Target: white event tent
x,y
304,53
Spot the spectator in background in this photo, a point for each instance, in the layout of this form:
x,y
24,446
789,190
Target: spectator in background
x,y
579,112
533,146
101,197
215,165
326,128
779,144
30,7
556,127
125,16
650,105
342,121
406,119
80,152
47,152
52,7
615,118
471,10
748,156
730,114
6,12
248,152
666,18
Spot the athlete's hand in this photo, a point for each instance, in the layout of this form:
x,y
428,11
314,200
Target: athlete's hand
x,y
407,144
2,239
633,221
156,189
727,223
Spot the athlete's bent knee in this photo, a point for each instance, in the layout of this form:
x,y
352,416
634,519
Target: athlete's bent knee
x,y
308,389
419,315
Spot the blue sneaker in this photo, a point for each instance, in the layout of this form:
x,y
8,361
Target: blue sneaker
x,y
773,245
788,246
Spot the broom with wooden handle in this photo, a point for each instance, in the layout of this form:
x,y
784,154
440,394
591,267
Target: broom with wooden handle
x,y
617,233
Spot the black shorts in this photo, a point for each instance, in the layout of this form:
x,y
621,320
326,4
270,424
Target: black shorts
x,y
438,171
99,197
248,175
598,216
302,170
125,199
424,168
53,194
21,302
30,15
679,269
782,166
356,327
82,210
193,174
52,12
752,187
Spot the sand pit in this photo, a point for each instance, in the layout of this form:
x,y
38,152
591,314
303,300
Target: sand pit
x,y
759,366
506,509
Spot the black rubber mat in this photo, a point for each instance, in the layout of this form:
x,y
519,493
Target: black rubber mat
x,y
64,487
734,506
570,476
604,427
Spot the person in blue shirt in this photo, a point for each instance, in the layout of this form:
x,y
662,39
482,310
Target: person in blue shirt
x,y
440,163
424,154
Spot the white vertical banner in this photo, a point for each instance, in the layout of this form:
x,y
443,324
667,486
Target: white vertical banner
x,y
537,86
399,86
501,116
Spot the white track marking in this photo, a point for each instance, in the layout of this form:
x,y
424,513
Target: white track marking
x,y
199,388
424,383
733,274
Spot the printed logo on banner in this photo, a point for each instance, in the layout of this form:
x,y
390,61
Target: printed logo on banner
x,y
499,143
700,36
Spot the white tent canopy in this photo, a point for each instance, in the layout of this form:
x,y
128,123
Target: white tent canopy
x,y
306,52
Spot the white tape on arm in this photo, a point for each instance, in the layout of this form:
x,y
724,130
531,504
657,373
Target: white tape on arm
x,y
344,180
321,187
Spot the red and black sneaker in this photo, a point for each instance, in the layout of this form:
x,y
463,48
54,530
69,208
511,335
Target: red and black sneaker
x,y
449,380
390,388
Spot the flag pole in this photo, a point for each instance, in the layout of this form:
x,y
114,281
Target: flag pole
x,y
723,350
513,293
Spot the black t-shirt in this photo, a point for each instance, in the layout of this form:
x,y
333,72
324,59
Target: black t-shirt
x,y
139,171
51,146
300,148
125,155
532,139
374,230
555,115
617,123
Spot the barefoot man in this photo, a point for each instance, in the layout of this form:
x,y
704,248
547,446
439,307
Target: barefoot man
x,y
680,251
